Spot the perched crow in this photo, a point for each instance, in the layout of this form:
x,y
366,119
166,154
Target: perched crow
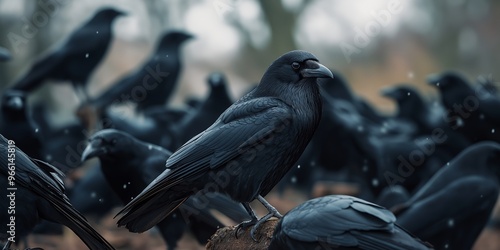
x,y
154,82
92,195
4,54
156,127
475,116
39,194
341,222
411,107
129,165
246,151
453,207
338,88
76,59
17,125
209,110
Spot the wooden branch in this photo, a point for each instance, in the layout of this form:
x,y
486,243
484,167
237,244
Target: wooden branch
x,y
225,239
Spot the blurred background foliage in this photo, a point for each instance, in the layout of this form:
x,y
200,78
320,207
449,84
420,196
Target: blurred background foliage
x,y
242,37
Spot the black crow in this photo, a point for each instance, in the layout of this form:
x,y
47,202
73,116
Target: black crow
x,y
76,59
338,88
16,123
452,208
341,222
246,151
475,116
392,196
156,127
153,83
209,110
37,192
92,195
129,165
411,107
4,54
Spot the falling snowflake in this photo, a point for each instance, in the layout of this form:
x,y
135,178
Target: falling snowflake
x,y
93,195
124,186
294,179
410,75
408,93
87,55
493,131
451,223
375,182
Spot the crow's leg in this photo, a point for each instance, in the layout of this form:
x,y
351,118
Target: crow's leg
x,y
246,224
272,213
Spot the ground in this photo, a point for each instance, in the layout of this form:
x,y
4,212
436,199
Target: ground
x,y
123,240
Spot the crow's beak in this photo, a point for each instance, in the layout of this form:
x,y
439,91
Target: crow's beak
x,y
314,69
15,103
433,80
389,93
91,151
189,36
122,13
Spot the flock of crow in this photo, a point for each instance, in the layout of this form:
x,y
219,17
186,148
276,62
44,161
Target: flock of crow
x,y
428,176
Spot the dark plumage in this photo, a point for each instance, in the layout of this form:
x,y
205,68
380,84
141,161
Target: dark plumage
x,y
92,195
129,165
40,195
155,128
341,222
476,116
246,151
208,111
153,83
338,88
76,59
16,123
455,204
411,107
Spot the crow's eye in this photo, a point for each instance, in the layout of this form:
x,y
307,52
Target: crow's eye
x,y
295,65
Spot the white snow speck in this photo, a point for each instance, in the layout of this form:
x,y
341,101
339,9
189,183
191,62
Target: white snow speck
x,y
451,223
150,146
93,195
97,32
298,166
375,182
408,93
36,130
492,130
410,75
294,179
87,55
124,186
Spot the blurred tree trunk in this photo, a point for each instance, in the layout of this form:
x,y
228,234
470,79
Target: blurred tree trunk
x,y
282,25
